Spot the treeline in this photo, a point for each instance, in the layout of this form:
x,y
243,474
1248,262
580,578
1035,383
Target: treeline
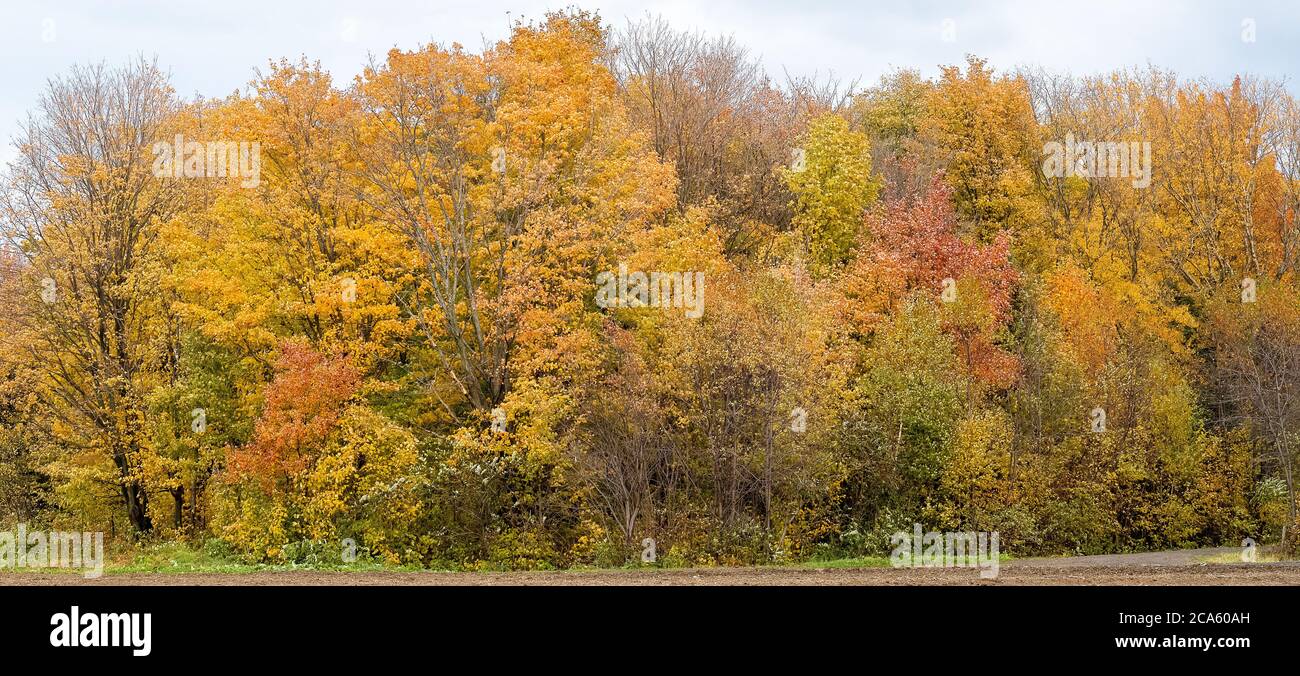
x,y
390,332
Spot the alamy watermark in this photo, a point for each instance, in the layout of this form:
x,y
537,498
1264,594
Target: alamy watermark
x,y
75,629
209,159
1098,159
965,549
625,289
21,548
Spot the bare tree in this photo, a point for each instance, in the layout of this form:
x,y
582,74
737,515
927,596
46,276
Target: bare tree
x,y
1258,369
709,108
629,454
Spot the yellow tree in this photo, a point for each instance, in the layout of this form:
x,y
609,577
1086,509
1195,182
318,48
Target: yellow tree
x,y
832,184
285,254
1216,172
84,209
295,254
982,126
507,173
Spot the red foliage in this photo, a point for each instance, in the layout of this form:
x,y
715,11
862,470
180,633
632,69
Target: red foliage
x,y
302,407
919,238
915,245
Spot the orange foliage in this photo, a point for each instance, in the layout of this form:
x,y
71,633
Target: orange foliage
x,y
303,405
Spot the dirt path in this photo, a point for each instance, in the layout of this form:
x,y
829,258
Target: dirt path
x,y
1179,557
1155,568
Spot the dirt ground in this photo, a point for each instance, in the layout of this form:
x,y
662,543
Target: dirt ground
x,y
1156,568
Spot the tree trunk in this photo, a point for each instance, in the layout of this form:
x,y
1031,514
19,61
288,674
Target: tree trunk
x,y
178,506
137,507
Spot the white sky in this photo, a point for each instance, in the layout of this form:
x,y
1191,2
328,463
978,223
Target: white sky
x,y
211,48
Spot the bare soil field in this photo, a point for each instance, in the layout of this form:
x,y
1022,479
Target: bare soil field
x,y
1178,568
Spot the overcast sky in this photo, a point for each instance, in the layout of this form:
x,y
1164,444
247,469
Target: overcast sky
x,y
211,48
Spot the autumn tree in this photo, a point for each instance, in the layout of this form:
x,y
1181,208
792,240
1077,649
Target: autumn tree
x,y
917,243
485,164
982,126
833,186
891,113
903,307
84,209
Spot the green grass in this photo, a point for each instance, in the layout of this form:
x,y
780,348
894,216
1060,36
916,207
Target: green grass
x,y
179,558
875,562
1261,556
